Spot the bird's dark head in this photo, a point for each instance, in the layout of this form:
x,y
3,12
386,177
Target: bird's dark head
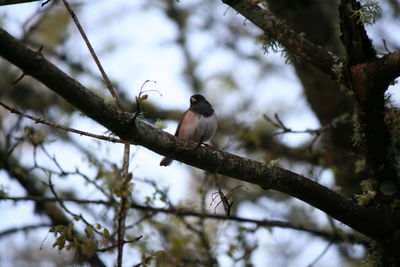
x,y
199,104
197,99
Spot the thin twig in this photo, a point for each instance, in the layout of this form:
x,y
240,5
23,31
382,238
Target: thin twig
x,y
280,125
18,79
93,53
116,245
54,160
93,182
385,46
61,202
23,229
320,255
61,127
45,3
224,200
125,199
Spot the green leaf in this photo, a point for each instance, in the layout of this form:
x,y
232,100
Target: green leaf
x,y
89,231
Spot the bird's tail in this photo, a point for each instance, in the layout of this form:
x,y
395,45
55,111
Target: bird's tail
x,y
166,161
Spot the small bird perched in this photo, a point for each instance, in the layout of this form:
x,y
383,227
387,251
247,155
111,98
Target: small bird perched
x,y
197,124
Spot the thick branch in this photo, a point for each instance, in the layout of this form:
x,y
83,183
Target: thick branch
x,y
13,2
278,30
370,79
365,220
358,46
387,68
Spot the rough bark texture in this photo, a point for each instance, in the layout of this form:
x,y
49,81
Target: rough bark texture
x,y
369,88
322,93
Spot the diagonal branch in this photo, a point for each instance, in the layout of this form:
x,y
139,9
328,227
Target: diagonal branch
x,y
13,2
279,31
93,53
61,127
365,220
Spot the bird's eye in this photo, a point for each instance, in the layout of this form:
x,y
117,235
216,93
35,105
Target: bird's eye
x,y
192,100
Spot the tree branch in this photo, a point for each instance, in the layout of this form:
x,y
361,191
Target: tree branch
x,y
355,39
61,127
13,2
387,68
278,30
333,237
369,221
24,229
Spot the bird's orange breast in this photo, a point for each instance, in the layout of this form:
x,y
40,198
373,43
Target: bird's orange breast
x,y
188,126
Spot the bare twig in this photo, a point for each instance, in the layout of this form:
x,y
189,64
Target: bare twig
x,y
45,2
61,127
385,46
61,202
23,229
93,182
320,255
224,198
285,130
125,200
13,2
280,125
117,245
18,79
323,252
54,160
91,50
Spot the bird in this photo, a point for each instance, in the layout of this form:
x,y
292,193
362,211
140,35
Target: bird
x,y
198,123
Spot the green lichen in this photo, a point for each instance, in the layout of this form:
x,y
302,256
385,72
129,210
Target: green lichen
x,y
369,12
269,43
273,163
358,138
368,194
160,124
359,166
